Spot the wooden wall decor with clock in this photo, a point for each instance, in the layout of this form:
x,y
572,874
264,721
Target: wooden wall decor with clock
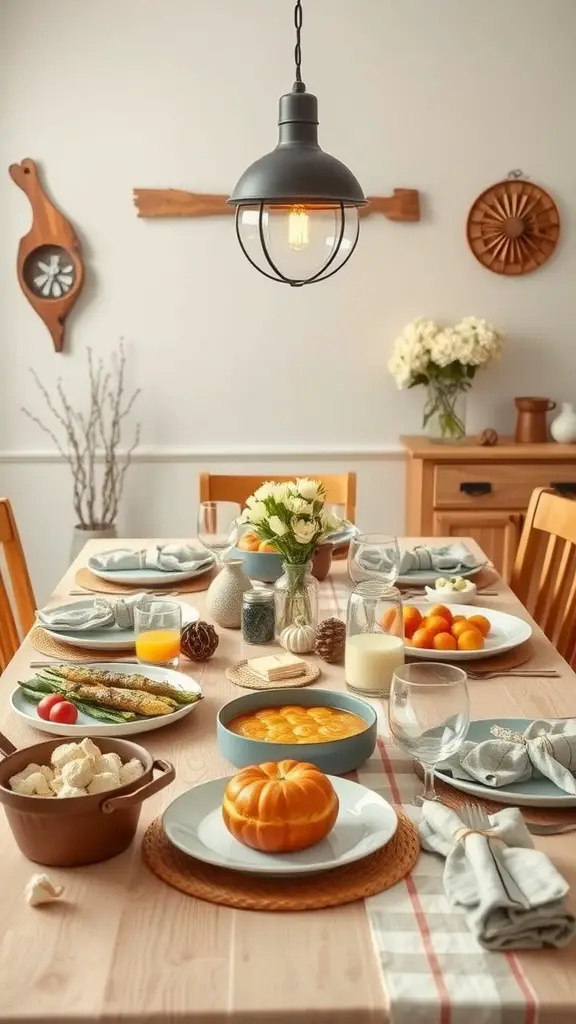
x,y
402,205
513,227
49,262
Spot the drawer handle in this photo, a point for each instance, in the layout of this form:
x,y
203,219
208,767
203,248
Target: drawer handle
x,y
567,489
476,490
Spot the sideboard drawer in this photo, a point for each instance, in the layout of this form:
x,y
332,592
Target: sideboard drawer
x,y
499,484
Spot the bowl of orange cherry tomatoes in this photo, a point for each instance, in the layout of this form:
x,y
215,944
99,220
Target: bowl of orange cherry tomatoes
x,y
460,633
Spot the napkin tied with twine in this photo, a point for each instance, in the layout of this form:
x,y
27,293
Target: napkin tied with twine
x,y
544,749
475,862
165,557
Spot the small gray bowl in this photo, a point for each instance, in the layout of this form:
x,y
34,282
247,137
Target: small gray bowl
x,y
335,757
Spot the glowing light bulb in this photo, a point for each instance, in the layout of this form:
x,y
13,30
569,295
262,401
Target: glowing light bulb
x,y
298,228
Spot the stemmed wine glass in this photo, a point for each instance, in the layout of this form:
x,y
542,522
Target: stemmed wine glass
x,y
218,526
429,714
374,556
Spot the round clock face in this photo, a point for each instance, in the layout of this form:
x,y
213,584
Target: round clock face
x,y
49,272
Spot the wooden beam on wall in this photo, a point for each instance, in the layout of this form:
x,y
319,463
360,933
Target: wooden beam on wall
x,y
402,205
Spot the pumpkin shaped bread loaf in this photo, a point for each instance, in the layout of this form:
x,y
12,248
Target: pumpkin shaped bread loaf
x,y
280,807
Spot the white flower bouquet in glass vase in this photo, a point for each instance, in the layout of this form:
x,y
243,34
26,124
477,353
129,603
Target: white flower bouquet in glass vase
x,y
445,361
292,518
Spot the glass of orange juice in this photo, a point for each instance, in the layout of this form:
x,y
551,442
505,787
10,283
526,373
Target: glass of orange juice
x,y
157,626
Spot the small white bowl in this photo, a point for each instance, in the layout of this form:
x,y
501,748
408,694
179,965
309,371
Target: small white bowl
x,y
445,596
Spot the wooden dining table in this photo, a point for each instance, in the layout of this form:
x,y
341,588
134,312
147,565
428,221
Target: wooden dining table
x,y
122,946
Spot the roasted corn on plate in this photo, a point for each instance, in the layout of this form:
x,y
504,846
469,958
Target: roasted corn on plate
x,y
110,696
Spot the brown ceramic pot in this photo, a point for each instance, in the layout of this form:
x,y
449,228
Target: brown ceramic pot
x,y
322,561
77,830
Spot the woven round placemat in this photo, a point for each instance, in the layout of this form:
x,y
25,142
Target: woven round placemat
x,y
379,871
241,675
85,578
455,798
46,644
500,662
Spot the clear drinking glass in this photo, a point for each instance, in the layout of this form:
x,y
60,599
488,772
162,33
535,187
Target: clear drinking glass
x,y
157,625
218,526
429,714
374,638
374,556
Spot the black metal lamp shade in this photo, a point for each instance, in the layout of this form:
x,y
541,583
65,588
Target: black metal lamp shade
x,y
297,207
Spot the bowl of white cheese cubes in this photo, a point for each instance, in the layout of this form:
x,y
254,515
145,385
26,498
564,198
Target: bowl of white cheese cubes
x,y
452,590
77,803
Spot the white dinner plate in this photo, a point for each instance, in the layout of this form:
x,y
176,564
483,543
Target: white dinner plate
x,y
87,726
507,632
533,793
428,577
108,638
194,823
150,577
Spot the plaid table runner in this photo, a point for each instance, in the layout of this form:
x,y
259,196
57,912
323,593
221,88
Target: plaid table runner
x,y
433,970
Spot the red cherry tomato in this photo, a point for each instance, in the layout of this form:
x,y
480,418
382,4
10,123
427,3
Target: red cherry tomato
x,y
47,703
64,713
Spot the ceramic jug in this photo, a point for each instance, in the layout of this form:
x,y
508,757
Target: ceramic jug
x,y
531,424
224,597
563,428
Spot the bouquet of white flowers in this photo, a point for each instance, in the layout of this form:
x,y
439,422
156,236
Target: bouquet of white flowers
x,y
445,359
291,516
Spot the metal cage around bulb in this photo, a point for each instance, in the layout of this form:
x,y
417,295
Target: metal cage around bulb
x,y
297,217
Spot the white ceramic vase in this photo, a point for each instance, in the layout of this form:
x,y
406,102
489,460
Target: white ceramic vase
x,y
83,534
563,428
224,597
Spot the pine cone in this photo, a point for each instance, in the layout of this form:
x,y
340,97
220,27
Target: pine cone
x,y
198,641
488,437
330,640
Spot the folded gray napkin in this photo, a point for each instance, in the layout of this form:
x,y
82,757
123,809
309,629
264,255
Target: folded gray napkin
x,y
472,880
545,749
167,557
99,614
449,558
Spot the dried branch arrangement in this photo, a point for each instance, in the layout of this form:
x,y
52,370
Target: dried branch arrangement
x,y
90,441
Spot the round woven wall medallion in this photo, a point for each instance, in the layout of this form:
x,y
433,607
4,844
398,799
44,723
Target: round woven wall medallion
x,y
513,227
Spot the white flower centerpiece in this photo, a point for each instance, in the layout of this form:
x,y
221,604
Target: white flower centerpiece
x,y
445,360
293,518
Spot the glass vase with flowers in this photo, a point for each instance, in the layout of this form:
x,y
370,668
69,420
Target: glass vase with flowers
x,y
292,519
445,361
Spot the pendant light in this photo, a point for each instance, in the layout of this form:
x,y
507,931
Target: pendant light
x,y
297,207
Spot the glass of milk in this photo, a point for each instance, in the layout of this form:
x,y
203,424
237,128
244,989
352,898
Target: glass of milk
x,y
374,638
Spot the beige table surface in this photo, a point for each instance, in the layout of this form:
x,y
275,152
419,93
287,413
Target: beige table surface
x,y
125,947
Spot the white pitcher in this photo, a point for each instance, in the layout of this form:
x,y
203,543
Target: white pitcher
x,y
563,428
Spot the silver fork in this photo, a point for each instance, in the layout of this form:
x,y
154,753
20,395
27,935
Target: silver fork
x,y
473,816
512,673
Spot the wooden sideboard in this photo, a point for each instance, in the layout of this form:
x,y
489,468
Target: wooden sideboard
x,y
466,490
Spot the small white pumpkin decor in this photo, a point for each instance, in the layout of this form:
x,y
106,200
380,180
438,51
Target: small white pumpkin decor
x,y
298,638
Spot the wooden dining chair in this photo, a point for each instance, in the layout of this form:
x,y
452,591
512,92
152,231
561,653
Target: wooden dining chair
x,y
544,573
20,585
340,488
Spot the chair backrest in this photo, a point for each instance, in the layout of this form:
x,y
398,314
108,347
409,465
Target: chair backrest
x,y
21,587
340,488
544,574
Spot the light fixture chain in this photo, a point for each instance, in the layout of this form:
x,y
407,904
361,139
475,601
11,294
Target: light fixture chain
x,y
297,48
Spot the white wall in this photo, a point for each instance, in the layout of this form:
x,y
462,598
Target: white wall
x,y
444,95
